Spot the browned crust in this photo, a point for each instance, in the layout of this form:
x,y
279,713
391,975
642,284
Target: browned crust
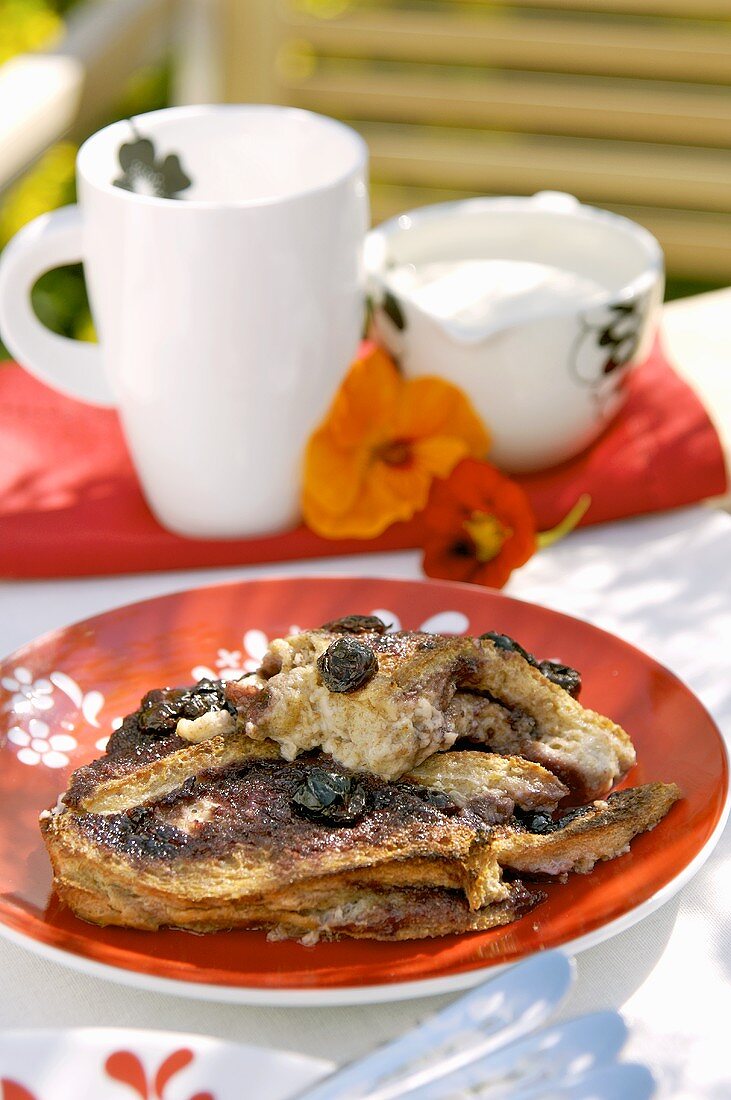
x,y
252,861
564,729
361,912
477,775
94,789
603,832
116,771
114,890
404,915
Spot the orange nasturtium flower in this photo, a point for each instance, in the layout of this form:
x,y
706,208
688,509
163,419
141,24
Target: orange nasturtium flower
x,y
478,526
384,440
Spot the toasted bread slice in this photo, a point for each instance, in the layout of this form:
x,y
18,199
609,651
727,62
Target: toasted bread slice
x,y
128,777
421,693
380,913
229,844
237,831
140,768
473,778
592,833
394,900
400,915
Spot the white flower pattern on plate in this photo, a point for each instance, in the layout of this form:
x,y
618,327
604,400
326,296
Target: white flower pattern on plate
x,y
90,702
29,694
34,740
37,745
231,664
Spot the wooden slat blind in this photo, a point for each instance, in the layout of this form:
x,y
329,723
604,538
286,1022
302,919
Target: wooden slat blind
x,y
625,103
695,9
538,103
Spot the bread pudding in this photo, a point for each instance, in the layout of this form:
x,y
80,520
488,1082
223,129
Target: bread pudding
x,y
360,783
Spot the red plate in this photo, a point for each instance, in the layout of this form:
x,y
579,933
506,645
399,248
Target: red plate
x,y
61,695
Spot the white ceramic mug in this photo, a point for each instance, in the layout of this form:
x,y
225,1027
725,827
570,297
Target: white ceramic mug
x,y
222,248
545,364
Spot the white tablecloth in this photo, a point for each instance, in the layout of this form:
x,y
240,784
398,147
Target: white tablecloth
x,y
662,583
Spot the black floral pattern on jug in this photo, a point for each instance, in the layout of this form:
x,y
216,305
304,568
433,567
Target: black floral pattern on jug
x,y
385,323
146,174
609,339
392,308
620,335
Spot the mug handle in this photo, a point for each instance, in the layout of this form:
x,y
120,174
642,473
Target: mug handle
x,y
74,367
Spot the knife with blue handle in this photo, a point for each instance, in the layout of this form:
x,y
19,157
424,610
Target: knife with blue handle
x,y
554,1057
498,1012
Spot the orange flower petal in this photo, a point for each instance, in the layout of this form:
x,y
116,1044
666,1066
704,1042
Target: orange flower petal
x,y
444,513
409,485
433,407
474,483
439,454
386,497
333,480
366,405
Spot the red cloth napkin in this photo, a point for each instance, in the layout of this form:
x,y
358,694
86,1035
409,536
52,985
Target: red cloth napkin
x,y
70,503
